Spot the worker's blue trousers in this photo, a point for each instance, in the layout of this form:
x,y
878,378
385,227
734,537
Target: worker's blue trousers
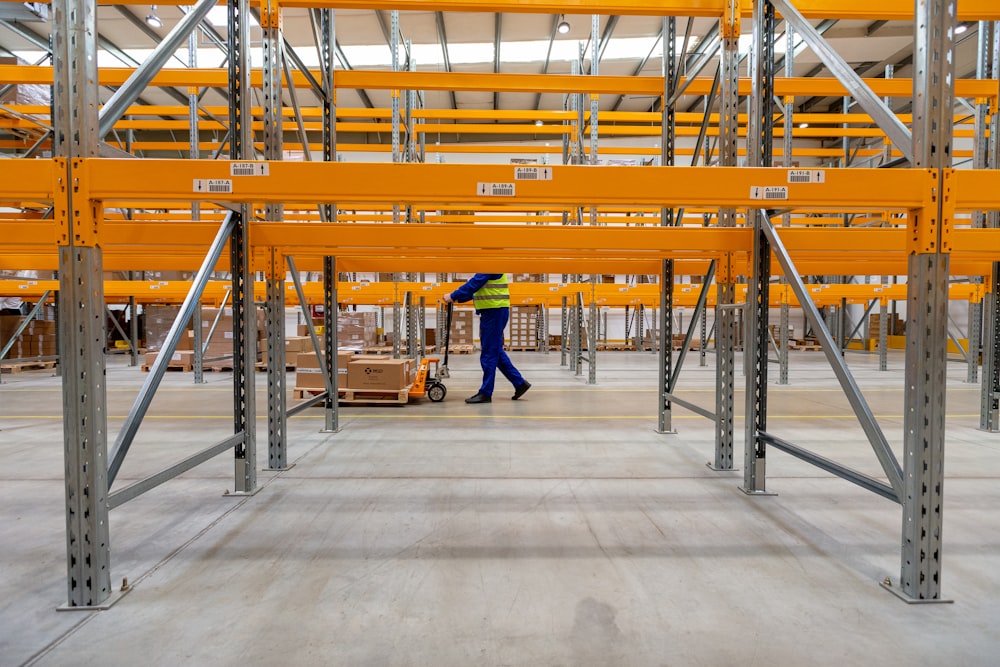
x,y
492,322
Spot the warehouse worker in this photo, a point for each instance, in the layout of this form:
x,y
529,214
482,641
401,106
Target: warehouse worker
x,y
10,305
491,296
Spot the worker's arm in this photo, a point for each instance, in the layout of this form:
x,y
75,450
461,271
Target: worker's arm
x,y
471,286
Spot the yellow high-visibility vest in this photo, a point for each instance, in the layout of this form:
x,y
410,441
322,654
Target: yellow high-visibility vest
x,y
494,294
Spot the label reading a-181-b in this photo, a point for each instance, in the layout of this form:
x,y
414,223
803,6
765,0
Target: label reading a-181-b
x,y
213,185
769,192
495,189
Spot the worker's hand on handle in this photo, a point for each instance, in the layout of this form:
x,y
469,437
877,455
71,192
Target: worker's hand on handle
x,y
447,298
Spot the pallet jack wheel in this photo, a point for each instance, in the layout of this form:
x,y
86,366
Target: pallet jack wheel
x,y
436,392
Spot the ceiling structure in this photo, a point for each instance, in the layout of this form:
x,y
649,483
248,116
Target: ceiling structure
x,y
482,43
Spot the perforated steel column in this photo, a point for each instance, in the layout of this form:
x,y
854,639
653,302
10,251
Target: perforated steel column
x,y
725,315
81,306
667,219
927,307
244,312
274,320
760,132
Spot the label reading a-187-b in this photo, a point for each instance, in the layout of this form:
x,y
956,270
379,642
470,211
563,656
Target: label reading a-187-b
x,y
249,169
532,173
495,189
213,185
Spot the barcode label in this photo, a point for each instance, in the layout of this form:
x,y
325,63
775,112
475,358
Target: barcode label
x,y
495,189
532,173
806,176
213,185
249,169
769,192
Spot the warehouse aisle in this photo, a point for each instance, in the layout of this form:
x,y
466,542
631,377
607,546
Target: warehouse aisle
x,y
560,529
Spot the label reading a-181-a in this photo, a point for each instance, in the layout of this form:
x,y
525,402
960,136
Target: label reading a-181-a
x,y
249,169
769,192
532,173
495,189
213,185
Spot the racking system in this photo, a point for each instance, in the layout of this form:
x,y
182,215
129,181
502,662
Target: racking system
x,y
931,221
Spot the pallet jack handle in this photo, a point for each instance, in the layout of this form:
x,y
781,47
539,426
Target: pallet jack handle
x,y
443,370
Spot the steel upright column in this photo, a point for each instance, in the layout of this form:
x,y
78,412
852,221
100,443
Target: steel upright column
x,y
883,305
194,152
725,316
667,156
81,305
786,219
274,307
328,25
274,314
760,131
980,160
989,413
927,305
244,313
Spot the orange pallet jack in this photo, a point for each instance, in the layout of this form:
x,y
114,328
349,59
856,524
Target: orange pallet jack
x,y
430,385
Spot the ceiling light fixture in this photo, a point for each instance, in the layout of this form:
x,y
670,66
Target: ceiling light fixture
x,y
803,126
152,19
563,26
960,28
538,123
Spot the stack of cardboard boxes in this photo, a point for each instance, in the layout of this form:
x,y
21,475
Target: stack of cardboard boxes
x,y
37,340
529,278
159,319
524,327
356,330
356,372
461,327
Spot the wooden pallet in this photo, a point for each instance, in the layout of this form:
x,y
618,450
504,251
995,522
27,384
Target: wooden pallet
x,y
381,396
262,366
522,348
614,347
801,344
17,367
183,368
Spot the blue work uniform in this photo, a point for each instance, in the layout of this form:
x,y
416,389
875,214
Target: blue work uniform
x,y
486,290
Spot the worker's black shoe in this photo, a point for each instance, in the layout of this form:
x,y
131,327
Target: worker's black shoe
x,y
521,391
479,398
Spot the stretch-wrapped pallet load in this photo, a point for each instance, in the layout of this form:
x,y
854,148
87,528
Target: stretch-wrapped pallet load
x,y
524,327
356,330
461,327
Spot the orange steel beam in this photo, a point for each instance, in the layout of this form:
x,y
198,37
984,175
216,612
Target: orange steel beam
x,y
469,81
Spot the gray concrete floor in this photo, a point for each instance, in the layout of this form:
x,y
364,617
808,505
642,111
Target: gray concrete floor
x,y
556,530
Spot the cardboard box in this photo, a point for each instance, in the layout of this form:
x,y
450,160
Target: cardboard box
x,y
296,344
180,358
389,374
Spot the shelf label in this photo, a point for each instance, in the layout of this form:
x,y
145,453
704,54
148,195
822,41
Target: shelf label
x,y
806,176
769,192
495,189
249,169
532,173
213,185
